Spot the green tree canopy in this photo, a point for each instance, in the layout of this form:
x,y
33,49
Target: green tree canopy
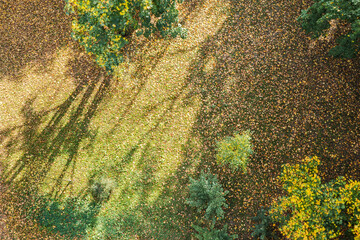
x,y
104,27
207,193
316,19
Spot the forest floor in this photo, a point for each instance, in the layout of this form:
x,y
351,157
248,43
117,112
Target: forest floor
x,y
4,232
245,66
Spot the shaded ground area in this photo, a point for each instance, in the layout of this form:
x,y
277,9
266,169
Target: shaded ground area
x,y
30,31
256,73
4,232
15,226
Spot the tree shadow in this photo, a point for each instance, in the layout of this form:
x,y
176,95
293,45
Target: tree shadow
x,y
53,134
161,220
69,218
30,31
57,132
188,7
142,73
256,74
46,136
49,135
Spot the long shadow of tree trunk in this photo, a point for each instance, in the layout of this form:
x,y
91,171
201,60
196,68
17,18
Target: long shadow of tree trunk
x,y
62,134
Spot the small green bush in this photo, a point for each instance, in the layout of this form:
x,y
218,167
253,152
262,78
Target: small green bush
x,y
101,189
235,151
207,193
213,234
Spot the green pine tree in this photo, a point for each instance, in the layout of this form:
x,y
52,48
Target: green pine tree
x,y
207,194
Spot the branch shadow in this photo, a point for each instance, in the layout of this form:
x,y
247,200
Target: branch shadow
x,y
143,183
48,135
57,132
141,73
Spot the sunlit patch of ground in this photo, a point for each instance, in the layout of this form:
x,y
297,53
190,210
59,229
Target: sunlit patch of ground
x,y
150,108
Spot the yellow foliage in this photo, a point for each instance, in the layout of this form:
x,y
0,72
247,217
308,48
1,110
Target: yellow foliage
x,y
312,210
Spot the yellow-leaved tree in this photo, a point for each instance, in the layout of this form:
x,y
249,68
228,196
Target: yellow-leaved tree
x,y
315,210
103,27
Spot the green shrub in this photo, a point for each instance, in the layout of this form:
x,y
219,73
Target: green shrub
x,y
235,151
101,189
103,28
315,20
213,234
207,193
316,210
